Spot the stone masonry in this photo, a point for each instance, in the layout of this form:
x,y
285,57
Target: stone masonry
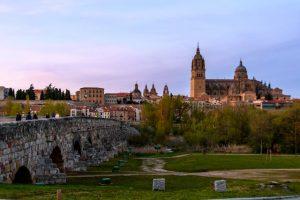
x,y
50,147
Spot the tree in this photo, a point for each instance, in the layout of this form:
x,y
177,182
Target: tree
x,y
269,96
27,105
11,108
11,93
21,95
261,135
51,107
30,92
68,95
42,95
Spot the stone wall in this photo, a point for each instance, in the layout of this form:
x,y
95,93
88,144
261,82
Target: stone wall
x,y
50,147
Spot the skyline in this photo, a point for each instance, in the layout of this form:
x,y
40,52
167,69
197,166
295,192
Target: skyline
x,y
73,44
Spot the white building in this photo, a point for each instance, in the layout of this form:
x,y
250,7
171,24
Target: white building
x,y
74,112
103,112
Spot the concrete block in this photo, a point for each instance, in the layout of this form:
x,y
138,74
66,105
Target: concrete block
x,y
220,186
159,184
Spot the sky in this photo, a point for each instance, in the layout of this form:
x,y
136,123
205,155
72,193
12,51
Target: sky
x,y
115,43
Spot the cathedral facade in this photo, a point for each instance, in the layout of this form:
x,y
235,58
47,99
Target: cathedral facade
x,y
240,88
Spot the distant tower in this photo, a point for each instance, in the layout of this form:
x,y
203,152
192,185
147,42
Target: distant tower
x,y
153,91
166,91
198,87
240,72
136,93
146,92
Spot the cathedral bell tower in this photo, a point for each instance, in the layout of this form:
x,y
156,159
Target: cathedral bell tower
x,y
198,87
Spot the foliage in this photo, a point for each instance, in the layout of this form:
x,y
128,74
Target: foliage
x,y
11,108
160,118
60,108
22,94
27,105
240,125
11,93
53,93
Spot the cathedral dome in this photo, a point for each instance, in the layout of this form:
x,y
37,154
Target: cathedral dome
x,y
240,72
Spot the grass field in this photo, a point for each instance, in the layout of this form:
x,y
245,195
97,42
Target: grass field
x,y
177,187
131,165
139,187
210,162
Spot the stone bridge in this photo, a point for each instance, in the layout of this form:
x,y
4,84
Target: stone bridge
x,y
41,151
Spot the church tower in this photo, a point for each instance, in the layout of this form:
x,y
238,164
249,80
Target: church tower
x,y
198,87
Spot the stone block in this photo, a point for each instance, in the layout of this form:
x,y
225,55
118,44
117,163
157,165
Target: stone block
x,y
220,186
159,184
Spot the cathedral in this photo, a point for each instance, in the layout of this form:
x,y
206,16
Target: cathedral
x,y
240,88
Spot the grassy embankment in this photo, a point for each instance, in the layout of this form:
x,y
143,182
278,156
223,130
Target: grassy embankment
x,y
177,187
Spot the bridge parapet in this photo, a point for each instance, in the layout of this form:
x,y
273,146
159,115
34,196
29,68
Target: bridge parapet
x,y
47,148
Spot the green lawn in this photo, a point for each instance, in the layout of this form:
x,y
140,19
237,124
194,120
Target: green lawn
x,y
131,165
177,187
209,162
139,187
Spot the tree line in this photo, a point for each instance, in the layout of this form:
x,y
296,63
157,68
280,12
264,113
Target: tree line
x,y
207,129
49,93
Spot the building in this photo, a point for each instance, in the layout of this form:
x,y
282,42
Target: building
x,y
272,104
117,98
103,112
3,92
152,95
136,95
77,94
277,94
238,89
111,98
38,94
74,97
146,92
92,95
166,91
123,113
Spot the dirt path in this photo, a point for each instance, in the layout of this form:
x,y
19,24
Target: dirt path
x,y
155,166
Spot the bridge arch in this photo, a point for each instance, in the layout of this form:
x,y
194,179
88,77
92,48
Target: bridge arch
x,y
57,141
57,158
77,146
22,176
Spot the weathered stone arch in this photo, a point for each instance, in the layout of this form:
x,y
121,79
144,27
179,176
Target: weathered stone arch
x,y
22,176
33,144
77,146
57,158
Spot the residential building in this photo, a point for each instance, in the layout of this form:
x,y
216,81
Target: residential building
x,y
123,113
110,98
92,95
103,112
117,98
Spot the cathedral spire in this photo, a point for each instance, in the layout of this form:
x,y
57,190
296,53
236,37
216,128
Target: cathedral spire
x,y
198,49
